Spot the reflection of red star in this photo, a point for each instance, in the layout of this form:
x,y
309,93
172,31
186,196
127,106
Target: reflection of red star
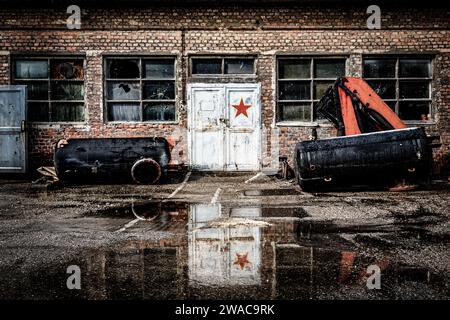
x,y
241,108
241,260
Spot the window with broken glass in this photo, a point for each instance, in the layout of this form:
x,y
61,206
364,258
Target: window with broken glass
x,y
204,66
55,87
404,83
301,82
140,89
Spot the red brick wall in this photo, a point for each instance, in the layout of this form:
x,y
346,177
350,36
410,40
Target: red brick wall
x,y
264,32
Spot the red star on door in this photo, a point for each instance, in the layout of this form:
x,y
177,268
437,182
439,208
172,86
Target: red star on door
x,y
241,108
242,260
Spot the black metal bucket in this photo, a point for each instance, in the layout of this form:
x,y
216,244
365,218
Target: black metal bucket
x,y
144,160
371,159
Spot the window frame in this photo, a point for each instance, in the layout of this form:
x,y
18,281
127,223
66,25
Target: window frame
x,y
48,80
397,79
223,74
140,80
312,101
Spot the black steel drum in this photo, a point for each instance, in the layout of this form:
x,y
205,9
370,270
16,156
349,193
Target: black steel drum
x,y
377,159
145,160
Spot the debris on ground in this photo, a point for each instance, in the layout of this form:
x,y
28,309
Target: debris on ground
x,y
48,179
236,222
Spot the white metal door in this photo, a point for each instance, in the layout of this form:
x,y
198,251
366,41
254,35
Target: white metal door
x,y
242,134
206,130
224,126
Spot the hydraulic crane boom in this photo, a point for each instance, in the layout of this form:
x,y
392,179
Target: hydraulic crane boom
x,y
355,108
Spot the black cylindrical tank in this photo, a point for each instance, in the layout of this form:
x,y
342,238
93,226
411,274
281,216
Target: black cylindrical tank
x,y
144,160
376,159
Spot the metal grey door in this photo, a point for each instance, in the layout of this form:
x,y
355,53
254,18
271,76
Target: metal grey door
x,y
13,156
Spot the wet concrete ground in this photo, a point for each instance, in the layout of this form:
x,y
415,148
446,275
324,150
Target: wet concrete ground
x,y
218,237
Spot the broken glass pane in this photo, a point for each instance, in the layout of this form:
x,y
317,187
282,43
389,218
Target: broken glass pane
x,y
239,66
36,90
64,69
31,69
414,89
123,69
159,112
320,88
379,68
414,110
159,90
294,112
124,91
206,66
414,68
385,89
67,90
63,112
159,68
294,68
324,68
124,112
38,111
294,90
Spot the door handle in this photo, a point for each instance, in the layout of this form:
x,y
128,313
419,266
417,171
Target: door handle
x,y
23,126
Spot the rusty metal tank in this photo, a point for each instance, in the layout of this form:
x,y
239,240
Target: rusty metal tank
x,y
143,159
370,159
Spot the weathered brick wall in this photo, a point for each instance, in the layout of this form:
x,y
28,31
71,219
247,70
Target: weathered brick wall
x,y
264,32
202,17
4,67
442,108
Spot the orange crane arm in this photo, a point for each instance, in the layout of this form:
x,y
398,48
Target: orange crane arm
x,y
348,114
368,97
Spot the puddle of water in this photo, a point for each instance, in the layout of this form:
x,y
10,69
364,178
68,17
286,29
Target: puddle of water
x,y
213,257
220,264
149,210
270,192
145,210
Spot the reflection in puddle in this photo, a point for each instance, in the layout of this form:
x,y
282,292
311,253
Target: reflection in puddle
x,y
222,256
285,258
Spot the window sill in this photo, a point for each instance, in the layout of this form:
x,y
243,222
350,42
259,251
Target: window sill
x,y
141,122
224,75
303,124
50,124
329,125
419,122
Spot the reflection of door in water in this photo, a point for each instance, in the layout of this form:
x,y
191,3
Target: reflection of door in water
x,y
222,255
224,126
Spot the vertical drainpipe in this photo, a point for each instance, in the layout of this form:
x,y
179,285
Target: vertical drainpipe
x,y
184,71
184,75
